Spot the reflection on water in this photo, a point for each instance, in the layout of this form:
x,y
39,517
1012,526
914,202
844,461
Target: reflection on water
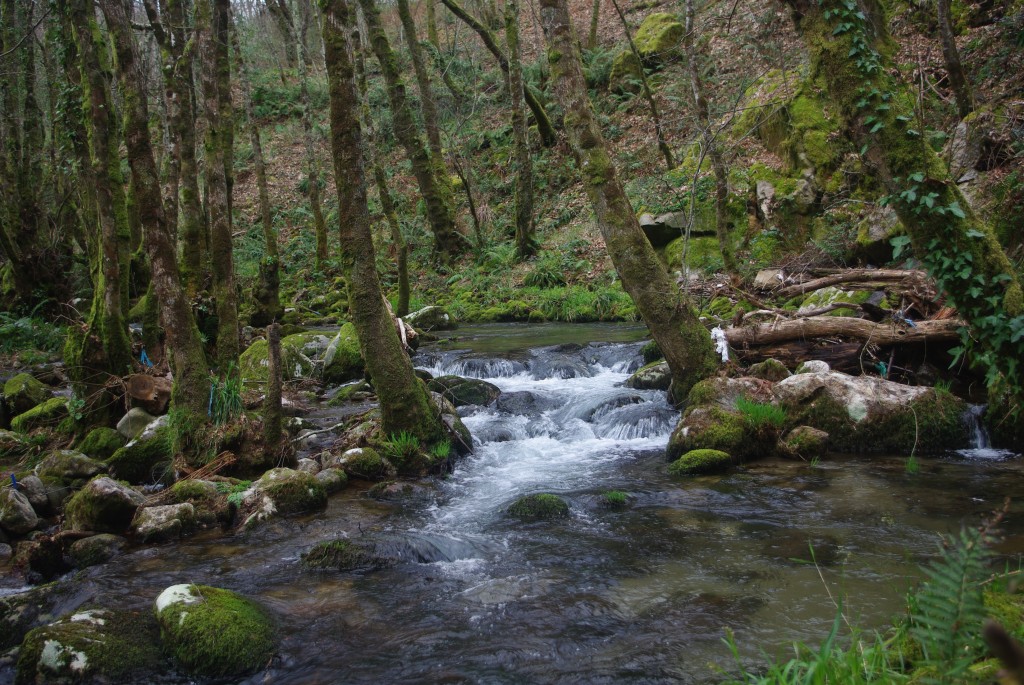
x,y
641,595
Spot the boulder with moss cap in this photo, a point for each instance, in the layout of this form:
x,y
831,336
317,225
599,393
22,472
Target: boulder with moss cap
x,y
101,443
96,645
215,632
49,413
22,392
104,505
698,462
282,491
539,507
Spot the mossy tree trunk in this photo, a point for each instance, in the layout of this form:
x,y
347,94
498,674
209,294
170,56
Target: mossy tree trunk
x,y
209,15
710,142
433,182
544,126
428,104
666,311
851,53
432,34
188,361
267,295
404,402
272,416
101,349
595,17
954,69
282,15
526,244
659,132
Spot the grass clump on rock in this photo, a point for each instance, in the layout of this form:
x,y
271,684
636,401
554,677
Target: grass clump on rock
x,y
541,507
696,462
215,632
339,555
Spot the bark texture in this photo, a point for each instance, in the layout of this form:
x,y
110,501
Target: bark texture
x,y
954,69
404,402
526,245
666,311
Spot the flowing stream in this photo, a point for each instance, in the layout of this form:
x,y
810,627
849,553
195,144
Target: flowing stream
x,y
642,594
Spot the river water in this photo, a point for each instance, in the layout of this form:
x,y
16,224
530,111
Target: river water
x,y
642,594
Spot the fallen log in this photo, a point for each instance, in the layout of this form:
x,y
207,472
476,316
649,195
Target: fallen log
x,y
884,333
859,276
841,356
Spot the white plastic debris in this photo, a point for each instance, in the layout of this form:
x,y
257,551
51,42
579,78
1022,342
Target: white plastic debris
x,y
721,344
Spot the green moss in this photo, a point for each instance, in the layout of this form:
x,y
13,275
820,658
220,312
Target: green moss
x,y
343,360
296,492
193,491
715,429
703,392
92,646
49,413
616,499
769,370
700,461
659,36
368,464
651,352
338,555
101,443
702,254
144,461
218,632
540,507
23,391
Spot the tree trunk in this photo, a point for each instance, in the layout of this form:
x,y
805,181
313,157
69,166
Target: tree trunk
x,y
404,402
102,348
433,183
272,418
666,311
282,15
209,14
401,247
432,25
188,361
954,69
267,295
885,333
428,105
540,115
312,166
659,133
526,245
851,56
595,17
710,141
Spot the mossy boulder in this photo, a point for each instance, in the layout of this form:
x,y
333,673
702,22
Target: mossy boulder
x,y
164,522
771,370
23,392
215,632
49,413
539,507
653,376
344,555
714,428
17,516
96,645
870,414
333,479
104,505
805,442
364,463
96,549
625,73
147,458
13,444
209,503
703,461
282,491
22,611
101,443
343,361
464,391
651,352
659,37
432,318
69,466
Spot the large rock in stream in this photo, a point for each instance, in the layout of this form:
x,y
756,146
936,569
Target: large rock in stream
x,y
330,357
103,506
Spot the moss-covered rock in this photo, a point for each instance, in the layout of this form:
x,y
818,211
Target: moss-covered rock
x,y
333,479
22,611
147,458
209,502
805,442
651,352
17,516
101,443
49,413
658,37
134,422
464,391
702,254
96,645
104,506
164,522
282,491
343,361
215,632
771,370
431,318
13,444
701,461
714,428
653,376
366,463
344,555
23,392
96,549
540,507
68,466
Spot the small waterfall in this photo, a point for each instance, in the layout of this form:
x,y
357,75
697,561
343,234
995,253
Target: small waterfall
x,y
981,446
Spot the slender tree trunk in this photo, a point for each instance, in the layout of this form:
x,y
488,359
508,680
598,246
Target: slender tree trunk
x,y
595,17
958,249
188,361
540,115
209,13
267,296
434,187
387,204
526,245
282,15
272,418
404,403
432,24
954,69
102,348
666,311
659,133
222,21
428,105
312,166
710,142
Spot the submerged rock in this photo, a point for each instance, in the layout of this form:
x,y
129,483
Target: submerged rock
x,y
344,555
96,549
215,632
540,507
96,645
465,391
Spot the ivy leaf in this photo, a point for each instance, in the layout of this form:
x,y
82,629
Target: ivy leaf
x,y
898,243
956,210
